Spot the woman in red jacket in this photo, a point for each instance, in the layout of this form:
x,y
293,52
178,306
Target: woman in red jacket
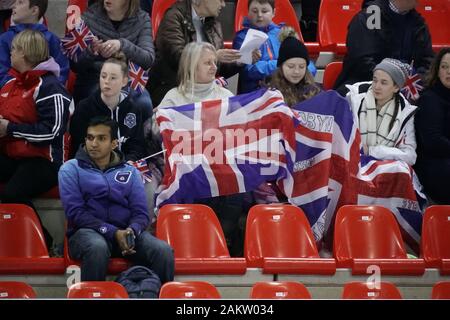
x,y
34,111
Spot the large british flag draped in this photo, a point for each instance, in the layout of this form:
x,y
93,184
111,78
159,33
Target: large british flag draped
x,y
221,147
76,40
313,151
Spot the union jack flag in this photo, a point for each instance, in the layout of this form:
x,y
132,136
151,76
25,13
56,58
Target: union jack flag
x,y
138,77
413,86
76,41
219,147
143,168
312,151
221,81
330,172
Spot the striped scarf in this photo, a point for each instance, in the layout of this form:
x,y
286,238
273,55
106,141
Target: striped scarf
x,y
374,125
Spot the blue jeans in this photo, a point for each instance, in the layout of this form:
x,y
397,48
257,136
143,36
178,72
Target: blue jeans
x,y
94,251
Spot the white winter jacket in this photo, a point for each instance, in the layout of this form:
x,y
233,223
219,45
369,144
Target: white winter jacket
x,y
405,146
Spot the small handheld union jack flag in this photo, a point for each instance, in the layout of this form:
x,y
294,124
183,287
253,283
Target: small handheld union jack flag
x,y
138,77
413,86
221,81
143,168
76,41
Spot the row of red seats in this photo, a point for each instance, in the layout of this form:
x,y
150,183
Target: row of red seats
x,y
278,240
205,290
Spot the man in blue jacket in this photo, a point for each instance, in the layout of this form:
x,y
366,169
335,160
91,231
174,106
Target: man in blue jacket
x,y
106,208
26,15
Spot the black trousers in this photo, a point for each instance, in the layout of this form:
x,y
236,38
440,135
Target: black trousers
x,y
25,179
309,20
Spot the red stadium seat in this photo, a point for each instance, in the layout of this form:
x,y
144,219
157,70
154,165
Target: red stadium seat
x,y
279,239
189,290
195,234
332,71
370,235
435,242
22,245
334,17
97,290
16,290
279,290
441,290
159,8
115,265
360,290
74,9
284,12
436,13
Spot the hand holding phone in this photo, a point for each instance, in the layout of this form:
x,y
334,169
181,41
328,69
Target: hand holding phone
x,y
130,239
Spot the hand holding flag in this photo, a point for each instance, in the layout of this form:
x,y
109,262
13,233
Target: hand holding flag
x,y
138,77
76,41
413,86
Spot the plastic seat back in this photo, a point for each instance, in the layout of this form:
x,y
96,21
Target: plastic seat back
x,y
277,231
189,290
97,290
441,290
367,232
284,12
159,8
21,233
332,71
436,13
279,290
192,230
435,240
334,18
16,290
361,290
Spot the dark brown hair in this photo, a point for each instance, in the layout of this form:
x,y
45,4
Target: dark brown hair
x,y
41,4
270,2
433,73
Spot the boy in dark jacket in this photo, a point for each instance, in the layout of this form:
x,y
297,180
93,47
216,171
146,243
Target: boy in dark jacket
x,y
105,203
26,15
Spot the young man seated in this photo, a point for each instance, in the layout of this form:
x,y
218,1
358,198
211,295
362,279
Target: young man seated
x,y
106,208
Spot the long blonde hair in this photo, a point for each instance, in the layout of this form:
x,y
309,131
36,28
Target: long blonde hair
x,y
188,65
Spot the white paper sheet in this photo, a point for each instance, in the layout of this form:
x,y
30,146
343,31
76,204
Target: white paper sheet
x,y
253,40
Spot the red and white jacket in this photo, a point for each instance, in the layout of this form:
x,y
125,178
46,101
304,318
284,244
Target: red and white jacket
x,y
38,109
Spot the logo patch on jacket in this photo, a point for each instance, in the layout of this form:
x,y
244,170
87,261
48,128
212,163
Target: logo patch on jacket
x,y
123,176
130,120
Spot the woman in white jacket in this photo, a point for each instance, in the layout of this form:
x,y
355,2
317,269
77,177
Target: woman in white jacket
x,y
385,118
